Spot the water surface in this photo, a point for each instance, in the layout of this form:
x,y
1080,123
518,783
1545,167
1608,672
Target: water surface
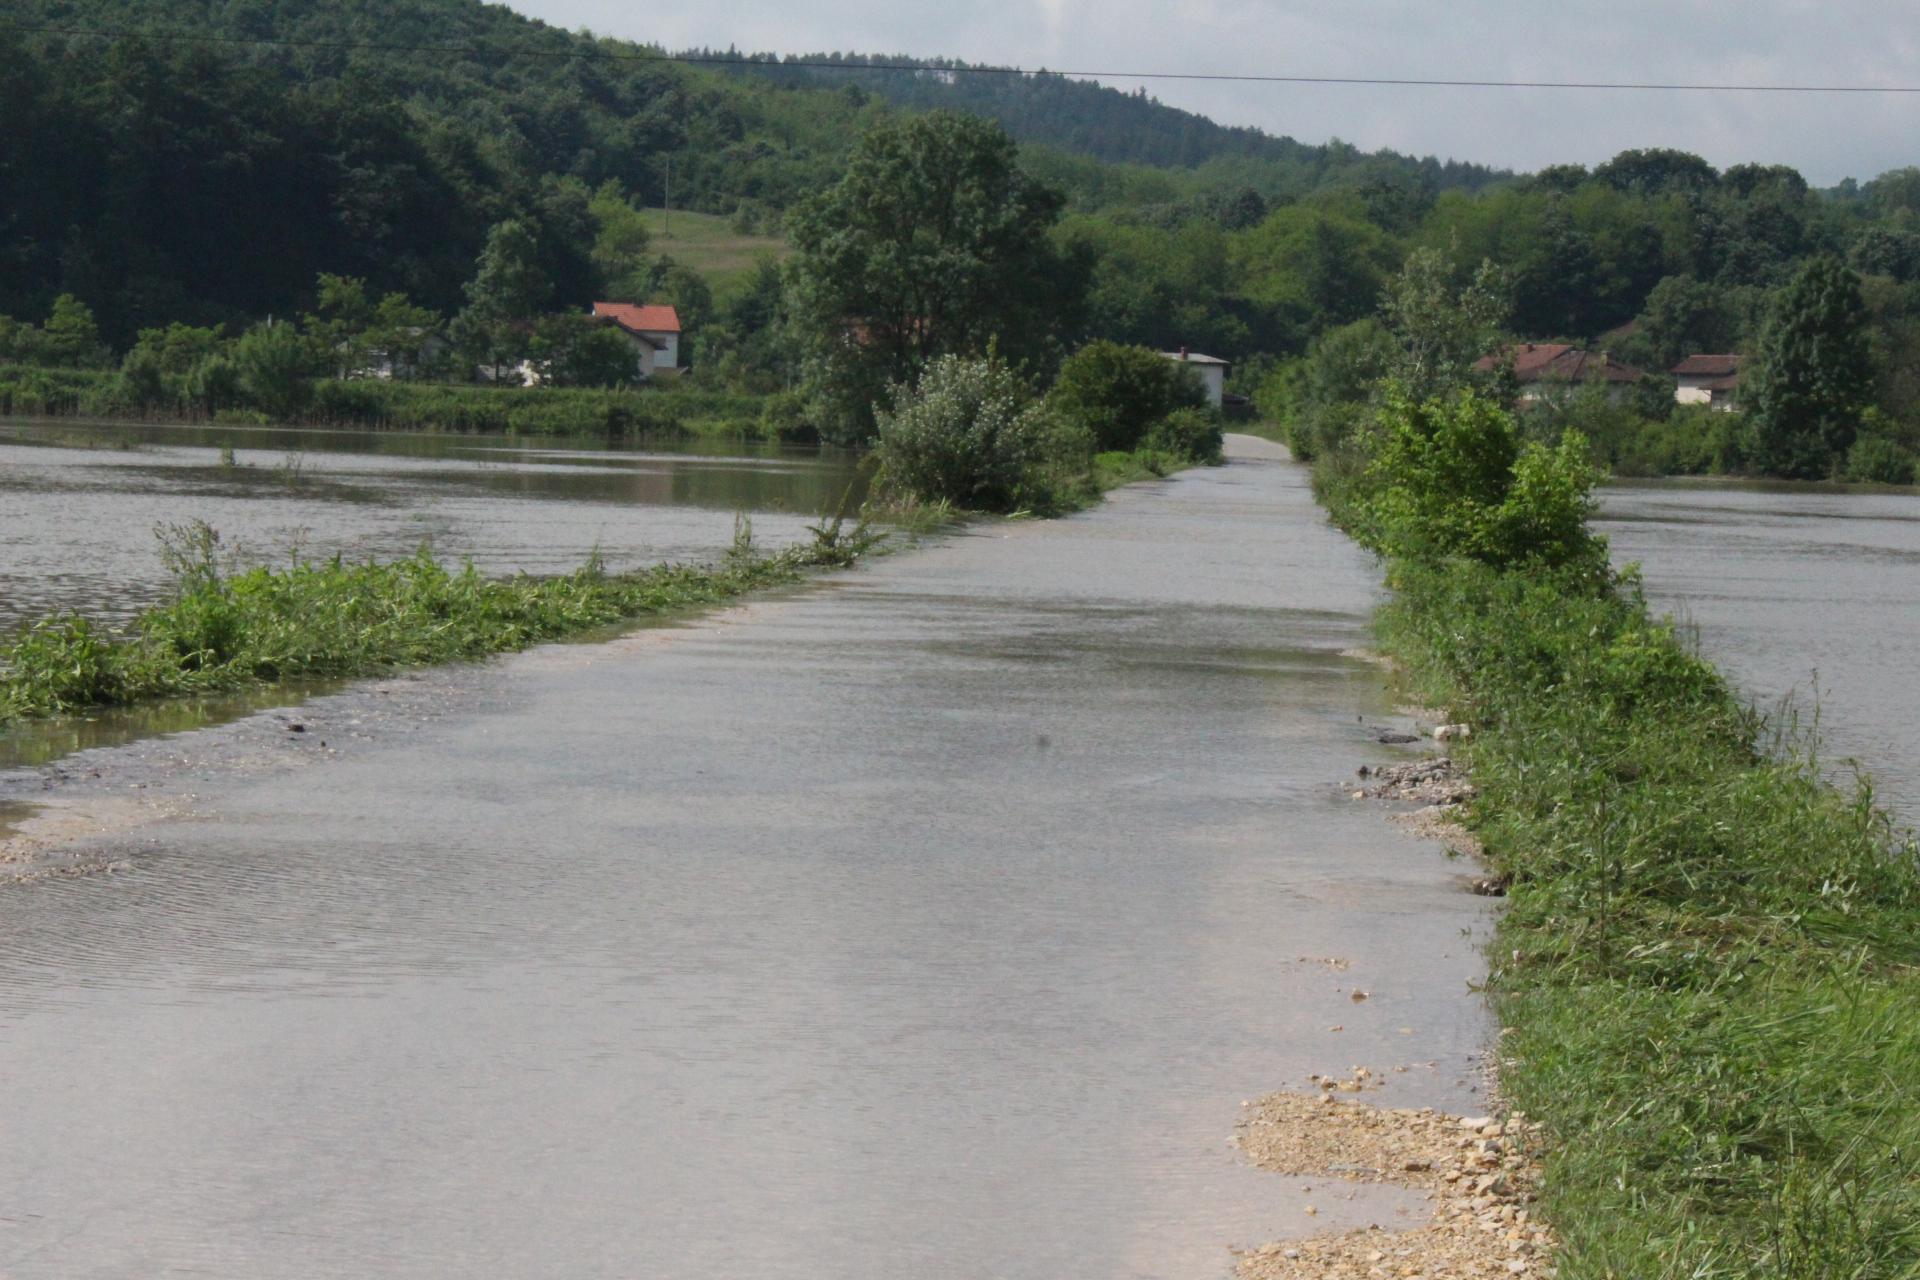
x,y
79,503
1798,592
932,921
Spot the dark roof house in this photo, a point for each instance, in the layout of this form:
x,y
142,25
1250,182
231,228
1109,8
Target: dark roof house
x,y
1712,380
1558,362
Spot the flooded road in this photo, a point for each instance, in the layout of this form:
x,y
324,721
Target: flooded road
x,y
1795,591
933,920
79,504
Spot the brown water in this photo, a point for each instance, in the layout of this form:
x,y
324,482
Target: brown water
x,y
79,504
1800,593
930,921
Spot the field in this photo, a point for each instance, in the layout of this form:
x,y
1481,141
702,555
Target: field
x,y
708,243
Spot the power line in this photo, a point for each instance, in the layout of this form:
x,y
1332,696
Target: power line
x,y
691,59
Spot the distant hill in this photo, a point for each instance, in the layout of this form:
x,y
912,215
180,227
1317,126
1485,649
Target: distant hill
x,y
204,160
1092,120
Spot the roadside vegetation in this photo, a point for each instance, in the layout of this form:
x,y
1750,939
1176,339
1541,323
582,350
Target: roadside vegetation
x,y
1708,962
228,628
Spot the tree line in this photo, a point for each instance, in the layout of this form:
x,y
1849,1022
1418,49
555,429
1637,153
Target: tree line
x,y
161,184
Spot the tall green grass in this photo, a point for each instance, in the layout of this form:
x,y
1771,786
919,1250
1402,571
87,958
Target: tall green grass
x,y
1709,964
224,631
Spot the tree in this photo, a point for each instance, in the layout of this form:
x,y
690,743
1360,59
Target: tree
x,y
339,325
401,331
1683,317
575,350
934,242
1441,330
69,337
273,363
1117,393
1656,171
1321,397
1814,375
620,238
507,290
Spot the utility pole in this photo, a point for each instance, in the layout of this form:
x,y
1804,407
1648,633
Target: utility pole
x,y
667,213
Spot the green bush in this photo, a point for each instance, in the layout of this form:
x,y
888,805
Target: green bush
x,y
967,433
275,364
1116,393
1876,460
1455,478
1192,434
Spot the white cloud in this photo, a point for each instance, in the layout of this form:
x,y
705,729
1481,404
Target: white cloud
x,y
1753,41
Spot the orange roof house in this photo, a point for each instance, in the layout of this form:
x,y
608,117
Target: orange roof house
x,y
654,327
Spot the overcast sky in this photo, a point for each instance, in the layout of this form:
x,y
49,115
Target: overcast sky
x,y
1826,136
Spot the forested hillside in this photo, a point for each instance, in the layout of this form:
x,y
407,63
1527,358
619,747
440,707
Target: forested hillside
x,y
399,147
161,179
1086,119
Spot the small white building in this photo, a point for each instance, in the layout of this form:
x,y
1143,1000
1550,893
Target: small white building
x,y
654,330
1710,380
1211,370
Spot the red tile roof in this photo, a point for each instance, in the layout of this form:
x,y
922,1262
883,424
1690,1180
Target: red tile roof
x,y
1726,366
639,319
1535,361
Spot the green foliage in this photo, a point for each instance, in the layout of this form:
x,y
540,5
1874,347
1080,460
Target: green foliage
x,y
1441,330
1877,460
1456,477
1193,435
1682,317
933,243
142,380
1706,954
178,348
621,239
339,331
274,365
227,630
69,339
1116,393
576,350
969,433
509,288
1815,373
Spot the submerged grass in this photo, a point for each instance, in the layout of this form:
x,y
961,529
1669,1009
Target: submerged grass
x,y
1709,965
227,630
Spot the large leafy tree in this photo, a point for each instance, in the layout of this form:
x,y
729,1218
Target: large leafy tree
x,y
508,289
1441,330
935,242
1815,372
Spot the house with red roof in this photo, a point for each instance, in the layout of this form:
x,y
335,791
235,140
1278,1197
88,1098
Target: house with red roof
x,y
1544,369
654,330
1711,380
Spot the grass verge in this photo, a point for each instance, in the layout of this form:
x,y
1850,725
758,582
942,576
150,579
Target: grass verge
x,y
1709,965
225,631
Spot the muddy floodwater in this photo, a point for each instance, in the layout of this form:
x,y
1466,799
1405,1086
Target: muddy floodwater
x,y
1800,593
79,503
931,920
